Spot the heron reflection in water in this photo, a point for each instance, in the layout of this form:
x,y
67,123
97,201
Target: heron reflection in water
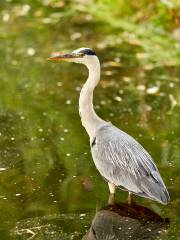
x,y
123,222
120,159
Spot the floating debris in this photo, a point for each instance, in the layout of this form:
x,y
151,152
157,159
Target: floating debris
x,y
59,84
82,215
76,35
6,17
134,41
171,84
148,108
141,87
25,9
68,102
46,20
18,194
22,10
78,89
173,100
118,98
2,169
2,196
152,90
141,55
113,64
148,66
30,51
103,102
108,73
126,79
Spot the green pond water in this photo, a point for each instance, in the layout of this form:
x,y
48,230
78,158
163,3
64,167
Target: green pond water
x,y
49,187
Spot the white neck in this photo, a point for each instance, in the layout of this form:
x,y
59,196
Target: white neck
x,y
89,118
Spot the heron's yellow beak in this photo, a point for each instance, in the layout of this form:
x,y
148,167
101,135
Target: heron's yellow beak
x,y
64,57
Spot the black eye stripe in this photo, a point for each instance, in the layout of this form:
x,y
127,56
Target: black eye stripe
x,y
88,51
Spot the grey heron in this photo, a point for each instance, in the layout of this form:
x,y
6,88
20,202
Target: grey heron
x,y
120,159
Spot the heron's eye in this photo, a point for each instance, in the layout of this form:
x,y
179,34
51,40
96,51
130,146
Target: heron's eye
x,y
79,55
82,54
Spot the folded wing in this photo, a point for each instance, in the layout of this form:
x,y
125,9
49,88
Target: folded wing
x,y
123,161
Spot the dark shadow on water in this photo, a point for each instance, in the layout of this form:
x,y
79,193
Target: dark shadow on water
x,y
124,222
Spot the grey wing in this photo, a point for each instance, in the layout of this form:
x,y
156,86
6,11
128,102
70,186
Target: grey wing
x,y
123,161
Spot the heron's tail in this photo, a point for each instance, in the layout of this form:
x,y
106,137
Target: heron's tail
x,y
154,189
165,198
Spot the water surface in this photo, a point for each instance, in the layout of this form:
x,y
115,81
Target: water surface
x,y
48,183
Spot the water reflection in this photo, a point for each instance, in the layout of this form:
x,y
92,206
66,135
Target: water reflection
x,y
121,221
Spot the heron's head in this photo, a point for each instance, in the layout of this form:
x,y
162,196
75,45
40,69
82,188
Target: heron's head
x,y
81,55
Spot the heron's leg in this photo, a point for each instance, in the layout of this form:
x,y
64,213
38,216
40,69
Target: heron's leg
x,y
112,189
130,200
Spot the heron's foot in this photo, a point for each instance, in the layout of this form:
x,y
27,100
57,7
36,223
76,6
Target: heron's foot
x,y
111,200
130,199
